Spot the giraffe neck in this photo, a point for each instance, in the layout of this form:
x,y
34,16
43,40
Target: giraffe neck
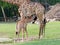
x,y
17,2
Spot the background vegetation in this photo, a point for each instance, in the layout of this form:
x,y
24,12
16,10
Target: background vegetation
x,y
9,9
51,2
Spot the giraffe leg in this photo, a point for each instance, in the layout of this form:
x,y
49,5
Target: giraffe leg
x,y
17,30
26,33
44,24
22,35
41,31
44,30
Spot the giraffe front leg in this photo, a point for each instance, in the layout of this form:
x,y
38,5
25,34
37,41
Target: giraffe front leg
x,y
41,31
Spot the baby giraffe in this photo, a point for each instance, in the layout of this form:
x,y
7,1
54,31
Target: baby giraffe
x,y
22,25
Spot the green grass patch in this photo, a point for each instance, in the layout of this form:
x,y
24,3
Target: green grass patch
x,y
52,33
41,42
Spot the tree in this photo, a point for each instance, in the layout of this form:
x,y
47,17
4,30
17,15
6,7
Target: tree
x,y
3,13
9,10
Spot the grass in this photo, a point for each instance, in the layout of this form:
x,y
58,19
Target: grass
x,y
52,33
7,29
53,30
41,42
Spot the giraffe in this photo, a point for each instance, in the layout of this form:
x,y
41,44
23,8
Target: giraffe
x,y
35,8
22,24
29,8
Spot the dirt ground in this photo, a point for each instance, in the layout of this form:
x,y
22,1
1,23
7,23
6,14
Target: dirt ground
x,y
16,41
5,44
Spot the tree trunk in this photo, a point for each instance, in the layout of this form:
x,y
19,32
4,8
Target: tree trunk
x,y
3,14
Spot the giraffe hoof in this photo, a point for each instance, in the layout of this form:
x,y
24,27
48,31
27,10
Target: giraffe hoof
x,y
41,36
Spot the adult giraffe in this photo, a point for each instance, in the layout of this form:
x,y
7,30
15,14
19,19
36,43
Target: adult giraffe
x,y
29,8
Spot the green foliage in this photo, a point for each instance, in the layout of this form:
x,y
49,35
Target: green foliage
x,y
10,9
41,42
51,2
4,4
1,15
